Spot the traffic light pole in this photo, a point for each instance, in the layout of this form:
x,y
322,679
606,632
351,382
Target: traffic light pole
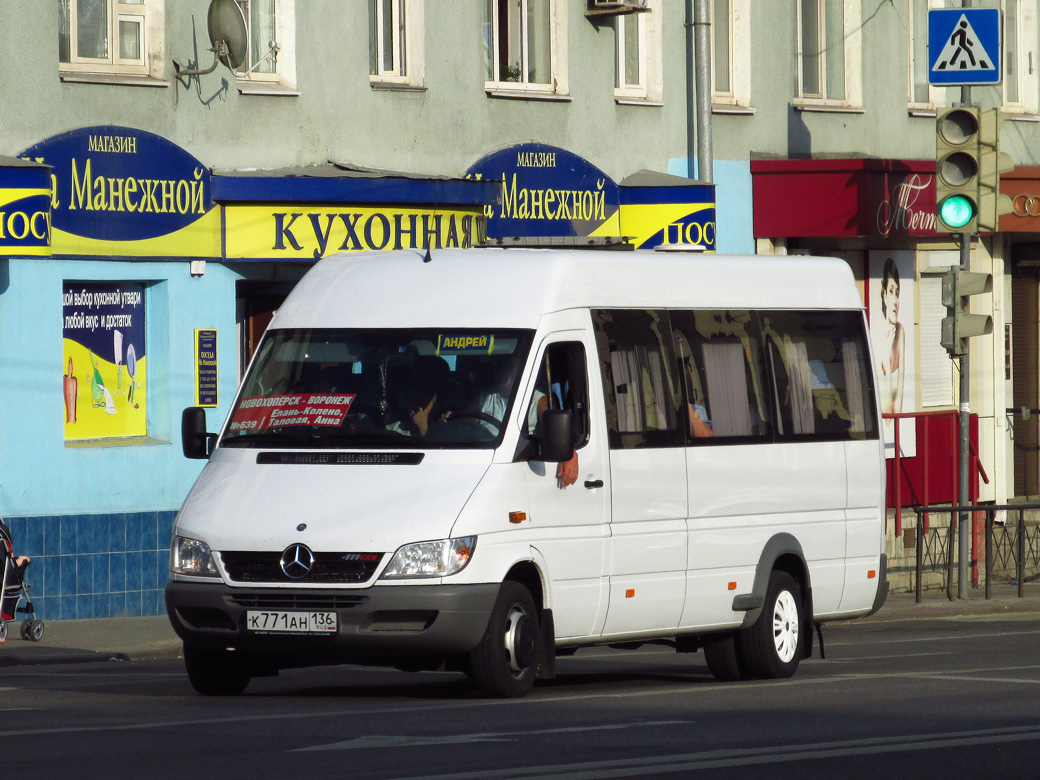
x,y
963,496
963,523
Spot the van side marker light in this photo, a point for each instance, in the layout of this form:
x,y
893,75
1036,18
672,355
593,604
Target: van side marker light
x,y
630,593
733,586
517,517
871,574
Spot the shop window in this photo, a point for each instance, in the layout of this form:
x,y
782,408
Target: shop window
x,y
818,361
270,66
110,37
396,42
1021,83
638,72
104,360
829,54
731,54
922,96
640,385
525,46
723,368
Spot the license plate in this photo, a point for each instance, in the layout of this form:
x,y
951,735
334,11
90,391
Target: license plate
x,y
277,622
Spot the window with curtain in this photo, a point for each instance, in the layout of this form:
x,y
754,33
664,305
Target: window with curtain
x,y
639,378
817,361
270,65
731,53
524,44
262,32
821,28
720,358
395,49
920,92
630,36
1021,80
106,36
638,72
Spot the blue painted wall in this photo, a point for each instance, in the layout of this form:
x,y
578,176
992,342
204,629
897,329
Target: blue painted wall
x,y
97,517
733,204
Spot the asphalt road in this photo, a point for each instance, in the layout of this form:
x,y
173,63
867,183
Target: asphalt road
x,y
915,699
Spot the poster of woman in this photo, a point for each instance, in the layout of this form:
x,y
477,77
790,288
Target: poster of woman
x,y
892,316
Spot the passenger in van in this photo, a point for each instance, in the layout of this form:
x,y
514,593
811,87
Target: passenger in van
x,y
700,423
566,472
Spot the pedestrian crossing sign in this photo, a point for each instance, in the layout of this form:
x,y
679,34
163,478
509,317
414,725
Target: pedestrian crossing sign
x,y
964,46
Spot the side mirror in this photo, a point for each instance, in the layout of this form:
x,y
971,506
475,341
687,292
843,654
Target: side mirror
x,y
195,442
556,443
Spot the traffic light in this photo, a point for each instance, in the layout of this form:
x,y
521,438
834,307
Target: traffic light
x,y
958,325
992,163
957,170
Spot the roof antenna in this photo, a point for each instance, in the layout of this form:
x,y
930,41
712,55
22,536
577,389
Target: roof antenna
x,y
428,257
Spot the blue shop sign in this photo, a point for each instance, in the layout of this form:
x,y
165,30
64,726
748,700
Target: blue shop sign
x,y
119,184
547,191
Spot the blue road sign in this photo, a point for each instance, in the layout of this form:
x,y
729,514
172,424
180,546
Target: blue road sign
x,y
964,46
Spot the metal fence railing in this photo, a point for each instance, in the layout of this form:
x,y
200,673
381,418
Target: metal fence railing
x,y
1012,544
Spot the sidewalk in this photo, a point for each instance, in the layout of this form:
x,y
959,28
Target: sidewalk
x,y
141,638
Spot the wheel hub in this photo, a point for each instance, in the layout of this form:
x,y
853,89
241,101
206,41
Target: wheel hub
x,y
521,641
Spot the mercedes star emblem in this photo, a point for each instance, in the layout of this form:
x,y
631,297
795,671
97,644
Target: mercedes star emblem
x,y
297,561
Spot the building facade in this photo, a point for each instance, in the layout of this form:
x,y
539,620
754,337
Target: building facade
x,y
155,210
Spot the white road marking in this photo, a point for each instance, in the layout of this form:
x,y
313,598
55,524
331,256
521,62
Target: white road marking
x,y
726,759
455,739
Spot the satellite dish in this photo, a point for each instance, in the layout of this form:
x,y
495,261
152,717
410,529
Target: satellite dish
x,y
228,38
227,33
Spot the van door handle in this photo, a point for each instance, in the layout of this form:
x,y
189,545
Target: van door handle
x,y
593,483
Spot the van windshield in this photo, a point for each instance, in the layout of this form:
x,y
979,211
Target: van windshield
x,y
395,388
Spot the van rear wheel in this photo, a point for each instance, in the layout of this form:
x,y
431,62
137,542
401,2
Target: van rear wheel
x,y
216,672
725,660
505,662
773,646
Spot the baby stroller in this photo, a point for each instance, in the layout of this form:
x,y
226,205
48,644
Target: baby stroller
x,y
14,590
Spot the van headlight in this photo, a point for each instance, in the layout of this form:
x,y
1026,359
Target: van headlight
x,y
431,559
191,556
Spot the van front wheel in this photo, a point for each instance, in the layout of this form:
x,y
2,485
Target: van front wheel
x,y
505,662
216,672
773,645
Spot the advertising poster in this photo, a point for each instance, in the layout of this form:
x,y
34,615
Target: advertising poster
x,y
104,360
892,316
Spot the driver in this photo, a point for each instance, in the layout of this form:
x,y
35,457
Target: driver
x,y
423,404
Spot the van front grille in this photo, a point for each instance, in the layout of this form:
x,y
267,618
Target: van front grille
x,y
319,601
331,567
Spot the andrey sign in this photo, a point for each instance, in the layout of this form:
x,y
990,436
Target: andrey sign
x,y
126,192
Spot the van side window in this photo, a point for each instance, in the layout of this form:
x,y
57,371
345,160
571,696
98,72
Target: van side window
x,y
640,382
723,368
819,364
561,384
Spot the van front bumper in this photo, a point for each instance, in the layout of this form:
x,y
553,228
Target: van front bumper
x,y
375,624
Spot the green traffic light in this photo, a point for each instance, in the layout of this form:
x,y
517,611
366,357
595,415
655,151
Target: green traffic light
x,y
956,211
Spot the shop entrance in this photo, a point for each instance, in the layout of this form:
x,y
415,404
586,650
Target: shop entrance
x,y
256,302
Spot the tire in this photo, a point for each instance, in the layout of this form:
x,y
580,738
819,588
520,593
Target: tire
x,y
216,672
36,631
505,662
3,630
725,659
773,646
26,630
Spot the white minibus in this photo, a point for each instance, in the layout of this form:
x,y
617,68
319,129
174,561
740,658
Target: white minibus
x,y
480,460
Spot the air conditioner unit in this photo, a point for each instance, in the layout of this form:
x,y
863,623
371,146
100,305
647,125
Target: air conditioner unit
x,y
615,7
